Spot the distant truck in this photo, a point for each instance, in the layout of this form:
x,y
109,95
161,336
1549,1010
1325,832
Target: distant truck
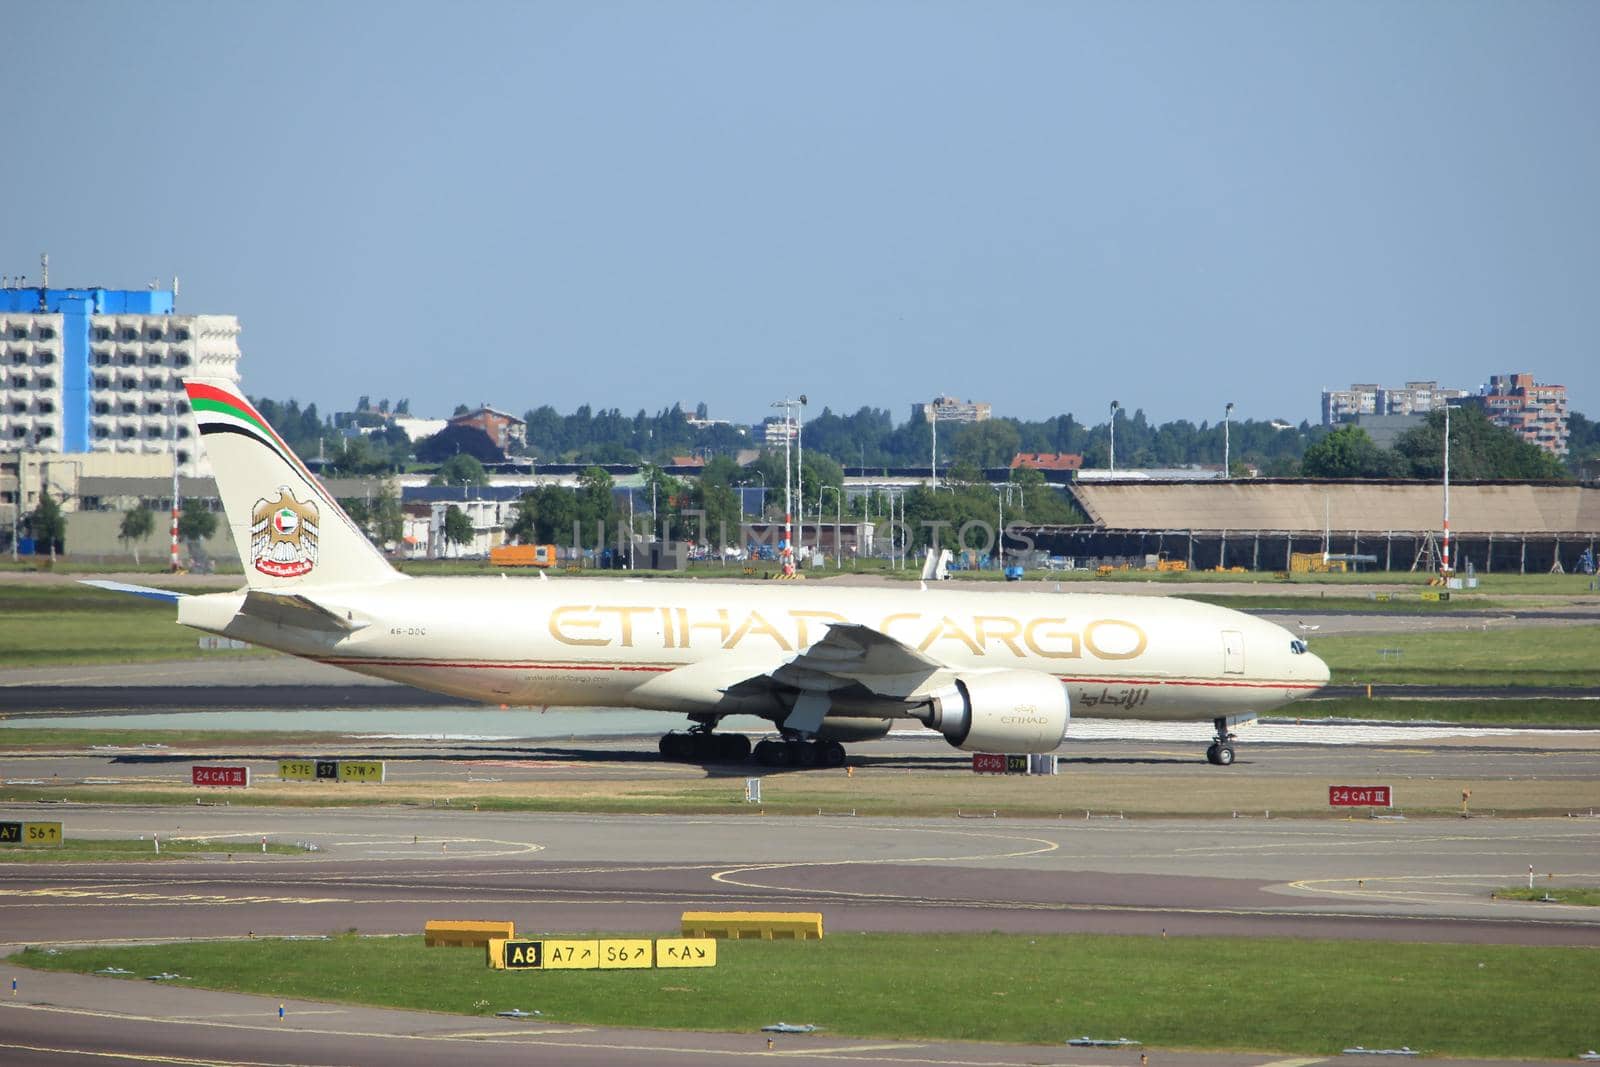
x,y
523,556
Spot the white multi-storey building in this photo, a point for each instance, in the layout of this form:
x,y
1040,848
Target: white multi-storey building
x,y
98,370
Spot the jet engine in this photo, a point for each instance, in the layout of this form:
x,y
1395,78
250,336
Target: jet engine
x,y
1000,711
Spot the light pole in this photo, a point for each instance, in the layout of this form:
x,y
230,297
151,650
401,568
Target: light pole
x,y
1444,568
787,553
933,462
1000,531
1227,413
800,467
838,521
1113,424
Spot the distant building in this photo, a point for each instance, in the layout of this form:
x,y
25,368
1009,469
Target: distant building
x,y
774,430
949,409
503,428
101,370
1047,461
1534,411
1340,406
417,428
1385,430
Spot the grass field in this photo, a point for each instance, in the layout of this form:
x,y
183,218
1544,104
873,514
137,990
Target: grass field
x,y
46,625
1310,603
1309,997
1531,656
17,738
83,850
1511,712
1586,897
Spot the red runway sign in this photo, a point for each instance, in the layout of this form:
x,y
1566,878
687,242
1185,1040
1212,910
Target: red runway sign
x,y
1360,796
230,776
988,763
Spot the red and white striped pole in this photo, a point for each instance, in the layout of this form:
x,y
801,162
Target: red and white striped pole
x,y
174,510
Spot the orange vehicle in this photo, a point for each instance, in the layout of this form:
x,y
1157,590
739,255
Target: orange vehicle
x,y
523,556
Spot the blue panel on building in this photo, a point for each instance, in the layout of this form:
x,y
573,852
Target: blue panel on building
x,y
101,301
75,312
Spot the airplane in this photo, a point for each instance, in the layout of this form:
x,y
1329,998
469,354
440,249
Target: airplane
x,y
995,672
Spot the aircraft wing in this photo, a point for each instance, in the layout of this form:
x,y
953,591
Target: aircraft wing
x,y
849,660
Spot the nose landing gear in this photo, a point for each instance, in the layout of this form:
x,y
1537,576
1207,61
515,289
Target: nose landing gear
x,y
1220,754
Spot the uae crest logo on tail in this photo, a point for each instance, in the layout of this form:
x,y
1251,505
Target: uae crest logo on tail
x,y
283,536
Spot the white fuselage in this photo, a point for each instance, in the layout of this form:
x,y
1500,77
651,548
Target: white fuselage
x,y
677,645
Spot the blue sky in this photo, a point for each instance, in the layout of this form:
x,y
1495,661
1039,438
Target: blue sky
x,y
1043,205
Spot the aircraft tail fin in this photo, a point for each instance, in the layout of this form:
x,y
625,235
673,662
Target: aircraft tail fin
x,y
290,533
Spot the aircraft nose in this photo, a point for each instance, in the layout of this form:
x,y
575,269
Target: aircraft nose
x,y
1318,668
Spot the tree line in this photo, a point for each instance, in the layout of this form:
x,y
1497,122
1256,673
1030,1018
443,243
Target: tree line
x,y
1478,450
870,439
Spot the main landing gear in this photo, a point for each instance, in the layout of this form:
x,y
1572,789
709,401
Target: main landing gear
x,y
700,745
792,752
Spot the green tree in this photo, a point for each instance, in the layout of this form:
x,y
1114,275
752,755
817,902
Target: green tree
x,y
388,518
1478,450
457,527
597,507
359,510
986,444
47,525
545,516
137,524
460,469
196,521
1349,453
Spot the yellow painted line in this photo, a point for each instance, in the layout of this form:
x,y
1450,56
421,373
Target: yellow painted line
x,y
249,1014
847,1049
141,1057
1042,845
511,1035
1291,1063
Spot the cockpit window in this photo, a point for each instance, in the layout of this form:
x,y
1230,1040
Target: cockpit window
x,y
1298,647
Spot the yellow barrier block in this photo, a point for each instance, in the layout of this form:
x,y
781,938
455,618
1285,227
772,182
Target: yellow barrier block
x,y
447,933
746,925
686,952
495,954
632,952
571,955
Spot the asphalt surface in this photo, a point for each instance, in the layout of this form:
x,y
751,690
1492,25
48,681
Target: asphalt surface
x,y
388,871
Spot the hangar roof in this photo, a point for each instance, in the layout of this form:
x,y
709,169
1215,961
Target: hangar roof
x,y
1259,504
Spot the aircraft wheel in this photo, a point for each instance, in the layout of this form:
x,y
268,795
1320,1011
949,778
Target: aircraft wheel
x,y
733,748
773,754
703,748
1224,756
1211,755
662,746
676,746
830,754
804,753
